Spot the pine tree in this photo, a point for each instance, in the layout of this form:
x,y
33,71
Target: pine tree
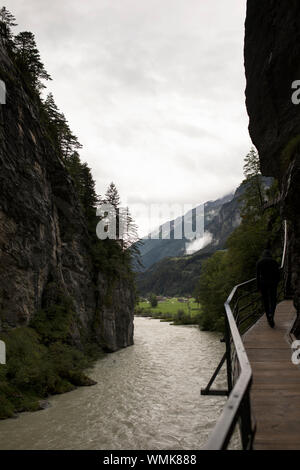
x,y
54,118
29,60
74,167
60,131
67,140
7,22
255,193
88,195
131,241
84,183
129,232
112,196
251,164
68,146
51,108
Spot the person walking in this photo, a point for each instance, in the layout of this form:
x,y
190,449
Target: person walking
x,y
267,276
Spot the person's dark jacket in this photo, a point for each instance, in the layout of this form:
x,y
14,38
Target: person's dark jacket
x,y
267,272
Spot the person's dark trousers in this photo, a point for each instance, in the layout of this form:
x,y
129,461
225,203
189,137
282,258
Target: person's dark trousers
x,y
269,295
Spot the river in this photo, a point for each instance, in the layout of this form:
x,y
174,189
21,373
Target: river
x,y
147,397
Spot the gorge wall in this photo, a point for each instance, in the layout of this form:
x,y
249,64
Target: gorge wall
x,y
43,236
272,64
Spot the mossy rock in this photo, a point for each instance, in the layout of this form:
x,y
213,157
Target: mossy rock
x,y
63,386
289,151
80,379
7,409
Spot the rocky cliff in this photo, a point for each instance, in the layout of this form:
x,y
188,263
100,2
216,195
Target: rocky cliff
x,y
272,64
44,242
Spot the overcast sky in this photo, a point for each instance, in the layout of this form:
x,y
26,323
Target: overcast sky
x,y
154,90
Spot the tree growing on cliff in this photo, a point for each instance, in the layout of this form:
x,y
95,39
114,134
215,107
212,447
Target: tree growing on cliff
x,y
112,196
126,227
29,61
7,22
60,130
88,195
255,194
74,167
131,240
68,145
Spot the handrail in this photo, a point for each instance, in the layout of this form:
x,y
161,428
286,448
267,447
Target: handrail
x,y
284,245
224,428
238,406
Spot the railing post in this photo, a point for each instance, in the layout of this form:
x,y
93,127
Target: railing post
x,y
246,422
228,355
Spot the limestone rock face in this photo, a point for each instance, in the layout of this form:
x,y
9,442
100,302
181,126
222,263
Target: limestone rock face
x,y
272,64
115,317
43,235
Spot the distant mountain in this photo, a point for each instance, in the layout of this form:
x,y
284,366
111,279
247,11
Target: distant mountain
x,y
178,274
153,250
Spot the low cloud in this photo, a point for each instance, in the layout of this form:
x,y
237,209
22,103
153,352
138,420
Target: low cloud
x,y
199,243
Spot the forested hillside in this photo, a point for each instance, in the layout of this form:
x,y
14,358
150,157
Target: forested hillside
x,y
153,250
178,275
261,228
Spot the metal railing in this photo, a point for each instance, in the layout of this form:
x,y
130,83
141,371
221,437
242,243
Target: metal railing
x,y
242,309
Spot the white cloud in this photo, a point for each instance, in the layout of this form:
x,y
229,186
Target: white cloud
x,y
153,89
198,243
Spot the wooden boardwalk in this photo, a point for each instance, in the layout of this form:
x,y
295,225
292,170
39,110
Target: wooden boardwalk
x,y
275,394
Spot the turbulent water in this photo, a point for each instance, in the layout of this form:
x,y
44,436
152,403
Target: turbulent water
x,y
147,397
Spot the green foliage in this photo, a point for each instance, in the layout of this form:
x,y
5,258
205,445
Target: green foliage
x,y
237,263
27,374
7,22
251,164
54,322
212,290
112,196
35,370
23,51
131,241
41,359
254,196
27,58
87,192
26,367
153,300
180,315
58,128
172,310
173,276
288,152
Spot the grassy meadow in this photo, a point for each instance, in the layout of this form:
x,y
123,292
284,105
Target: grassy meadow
x,y
186,312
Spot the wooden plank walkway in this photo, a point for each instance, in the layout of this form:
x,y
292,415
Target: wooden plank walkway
x,y
275,394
